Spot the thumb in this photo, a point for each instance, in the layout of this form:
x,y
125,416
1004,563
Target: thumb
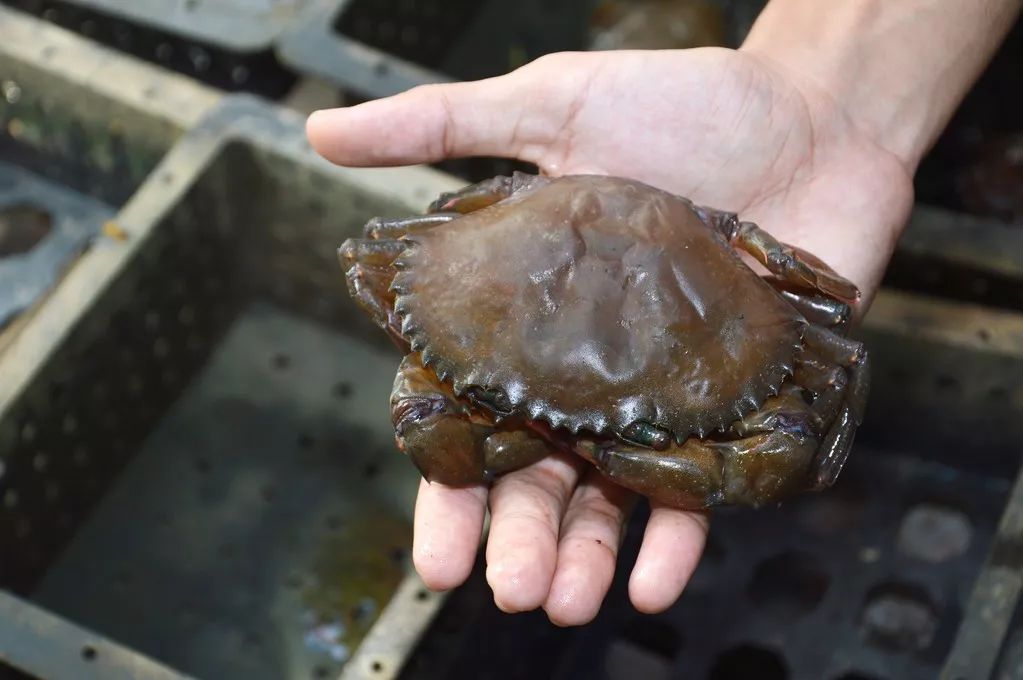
x,y
426,124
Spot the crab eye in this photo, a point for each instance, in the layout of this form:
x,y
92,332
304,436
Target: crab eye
x,y
495,400
647,435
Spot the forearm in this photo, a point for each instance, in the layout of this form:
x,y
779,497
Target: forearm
x,y
898,69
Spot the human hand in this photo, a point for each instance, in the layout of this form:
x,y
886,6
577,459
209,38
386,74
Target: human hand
x,y
721,127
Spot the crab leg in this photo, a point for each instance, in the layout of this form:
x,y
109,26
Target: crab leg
x,y
368,271
448,441
380,228
485,193
841,400
817,309
380,253
791,264
838,442
772,454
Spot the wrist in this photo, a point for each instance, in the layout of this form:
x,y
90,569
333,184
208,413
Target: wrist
x,y
897,71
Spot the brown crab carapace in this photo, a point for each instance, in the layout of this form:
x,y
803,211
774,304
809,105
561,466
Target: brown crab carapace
x,y
606,317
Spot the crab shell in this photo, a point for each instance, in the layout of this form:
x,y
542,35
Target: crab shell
x,y
605,316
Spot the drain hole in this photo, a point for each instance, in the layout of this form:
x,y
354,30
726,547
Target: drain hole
x,y
22,227
371,470
934,533
88,652
749,661
342,390
281,361
376,667
321,672
790,584
899,616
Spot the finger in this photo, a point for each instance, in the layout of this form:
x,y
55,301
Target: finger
x,y
672,545
526,507
591,533
448,527
426,124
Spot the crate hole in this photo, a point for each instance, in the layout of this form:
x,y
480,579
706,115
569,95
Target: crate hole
x,y
321,672
89,653
422,595
342,390
28,432
364,611
984,334
790,584
934,532
280,361
200,59
306,441
899,616
40,461
11,91
398,555
377,667
371,470
749,661
22,228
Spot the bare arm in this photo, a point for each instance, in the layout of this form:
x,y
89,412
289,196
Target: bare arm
x,y
898,69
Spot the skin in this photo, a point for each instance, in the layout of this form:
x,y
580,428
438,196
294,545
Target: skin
x,y
813,129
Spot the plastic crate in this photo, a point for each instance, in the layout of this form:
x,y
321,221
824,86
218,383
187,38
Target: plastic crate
x,y
195,466
225,43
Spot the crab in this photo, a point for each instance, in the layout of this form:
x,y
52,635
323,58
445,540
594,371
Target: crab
x,y
605,317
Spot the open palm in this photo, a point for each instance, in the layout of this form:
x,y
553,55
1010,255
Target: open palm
x,y
723,127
